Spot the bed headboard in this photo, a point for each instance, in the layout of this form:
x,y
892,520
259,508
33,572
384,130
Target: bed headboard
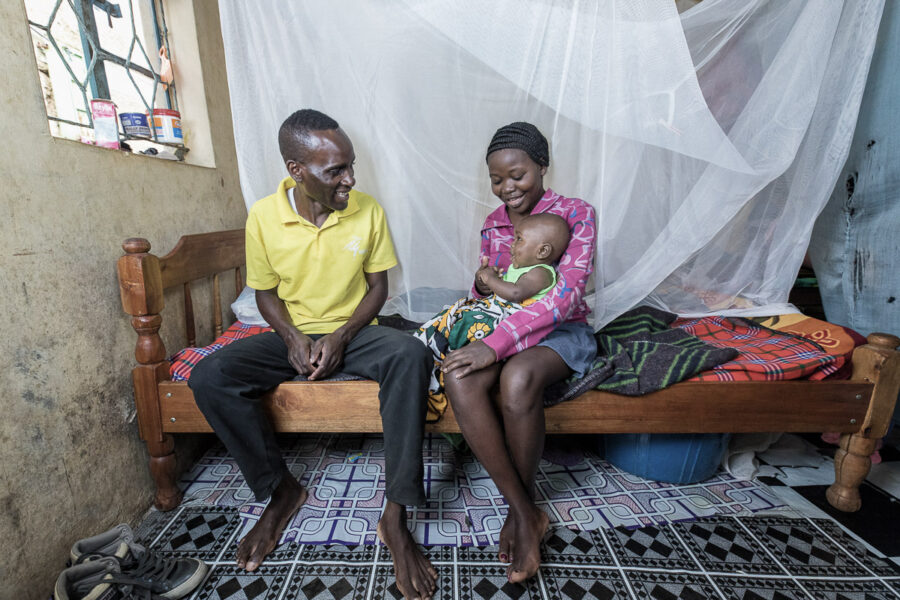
x,y
144,277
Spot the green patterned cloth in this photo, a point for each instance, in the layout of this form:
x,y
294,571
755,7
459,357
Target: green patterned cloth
x,y
639,353
466,321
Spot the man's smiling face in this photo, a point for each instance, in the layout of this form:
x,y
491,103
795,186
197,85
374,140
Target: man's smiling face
x,y
326,173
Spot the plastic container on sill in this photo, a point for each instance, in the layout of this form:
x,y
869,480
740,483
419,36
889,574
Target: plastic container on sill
x,y
106,125
167,124
134,123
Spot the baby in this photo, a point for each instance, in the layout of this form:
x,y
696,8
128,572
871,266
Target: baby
x,y
539,242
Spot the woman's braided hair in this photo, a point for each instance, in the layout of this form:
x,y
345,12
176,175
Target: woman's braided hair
x,y
522,136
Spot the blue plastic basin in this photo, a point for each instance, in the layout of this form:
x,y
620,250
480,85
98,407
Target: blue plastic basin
x,y
671,457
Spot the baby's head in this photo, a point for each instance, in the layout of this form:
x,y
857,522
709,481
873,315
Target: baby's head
x,y
540,239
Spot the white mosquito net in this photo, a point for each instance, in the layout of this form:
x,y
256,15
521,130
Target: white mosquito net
x,y
707,142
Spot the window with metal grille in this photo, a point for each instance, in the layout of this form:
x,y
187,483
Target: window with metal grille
x,y
93,50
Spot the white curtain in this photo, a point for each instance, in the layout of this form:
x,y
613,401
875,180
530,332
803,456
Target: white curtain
x,y
707,142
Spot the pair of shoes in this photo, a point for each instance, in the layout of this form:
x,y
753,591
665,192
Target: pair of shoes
x,y
99,579
112,565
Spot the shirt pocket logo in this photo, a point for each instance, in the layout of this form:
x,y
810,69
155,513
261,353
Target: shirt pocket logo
x,y
354,246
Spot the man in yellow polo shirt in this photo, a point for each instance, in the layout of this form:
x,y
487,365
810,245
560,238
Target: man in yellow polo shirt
x,y
318,254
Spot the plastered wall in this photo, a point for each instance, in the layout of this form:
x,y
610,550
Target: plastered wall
x,y
72,464
855,246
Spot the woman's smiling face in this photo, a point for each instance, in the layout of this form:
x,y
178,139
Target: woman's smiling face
x,y
516,179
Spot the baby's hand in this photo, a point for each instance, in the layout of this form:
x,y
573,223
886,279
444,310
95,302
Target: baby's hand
x,y
487,274
483,275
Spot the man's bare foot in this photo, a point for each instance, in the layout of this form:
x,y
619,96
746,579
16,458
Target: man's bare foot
x,y
529,531
507,539
416,578
286,500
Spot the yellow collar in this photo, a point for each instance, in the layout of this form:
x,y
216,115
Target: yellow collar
x,y
286,211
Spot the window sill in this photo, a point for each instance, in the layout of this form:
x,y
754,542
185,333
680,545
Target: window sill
x,y
168,148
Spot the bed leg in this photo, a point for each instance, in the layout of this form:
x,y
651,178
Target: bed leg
x,y
162,467
877,362
851,466
141,290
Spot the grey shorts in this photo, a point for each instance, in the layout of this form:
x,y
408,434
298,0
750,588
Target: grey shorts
x,y
575,344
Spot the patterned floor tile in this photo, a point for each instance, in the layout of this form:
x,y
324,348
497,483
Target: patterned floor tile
x,y
329,582
804,551
722,545
882,567
849,590
384,584
573,583
878,508
153,524
345,475
655,562
197,532
736,557
796,501
488,582
576,548
649,547
216,479
282,553
657,585
749,588
228,582
325,553
478,554
435,554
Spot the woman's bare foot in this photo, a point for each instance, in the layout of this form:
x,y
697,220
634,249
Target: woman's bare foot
x,y
416,578
507,539
286,500
529,531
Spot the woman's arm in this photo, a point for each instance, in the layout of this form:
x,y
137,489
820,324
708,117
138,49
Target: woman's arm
x,y
528,326
479,290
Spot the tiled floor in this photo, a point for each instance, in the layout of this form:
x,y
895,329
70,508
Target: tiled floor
x,y
732,557
575,487
801,549
800,477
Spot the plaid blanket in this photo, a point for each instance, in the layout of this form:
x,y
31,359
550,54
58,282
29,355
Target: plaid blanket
x,y
837,340
766,354
184,360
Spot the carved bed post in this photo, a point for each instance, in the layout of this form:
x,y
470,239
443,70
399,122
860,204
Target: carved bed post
x,y
141,289
877,362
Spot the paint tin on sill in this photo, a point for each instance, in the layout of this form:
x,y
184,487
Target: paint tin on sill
x,y
135,124
167,124
106,125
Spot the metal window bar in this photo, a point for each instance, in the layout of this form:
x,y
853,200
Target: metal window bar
x,y
162,41
95,55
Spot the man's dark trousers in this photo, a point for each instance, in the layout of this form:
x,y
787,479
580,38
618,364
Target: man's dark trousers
x,y
227,386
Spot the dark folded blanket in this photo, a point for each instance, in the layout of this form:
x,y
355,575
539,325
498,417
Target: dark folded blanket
x,y
638,353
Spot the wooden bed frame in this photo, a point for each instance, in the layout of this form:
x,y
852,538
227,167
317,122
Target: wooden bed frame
x,y
859,408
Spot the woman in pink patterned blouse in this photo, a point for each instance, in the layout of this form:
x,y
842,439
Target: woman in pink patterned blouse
x,y
544,343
